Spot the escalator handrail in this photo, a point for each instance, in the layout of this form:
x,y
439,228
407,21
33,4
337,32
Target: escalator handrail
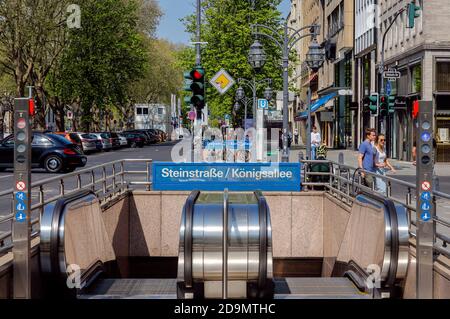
x,y
394,238
263,244
55,240
188,223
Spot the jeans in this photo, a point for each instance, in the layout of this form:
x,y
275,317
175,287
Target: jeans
x,y
313,151
380,184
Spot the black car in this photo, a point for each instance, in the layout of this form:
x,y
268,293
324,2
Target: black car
x,y
149,138
135,139
50,151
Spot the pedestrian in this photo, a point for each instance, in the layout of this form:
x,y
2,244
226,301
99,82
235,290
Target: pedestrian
x,y
366,157
381,163
315,142
296,136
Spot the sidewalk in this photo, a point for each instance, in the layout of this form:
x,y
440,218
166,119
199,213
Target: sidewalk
x,y
351,159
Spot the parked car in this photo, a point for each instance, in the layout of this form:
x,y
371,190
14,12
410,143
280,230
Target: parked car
x,y
104,140
113,139
86,141
122,139
52,152
135,139
149,138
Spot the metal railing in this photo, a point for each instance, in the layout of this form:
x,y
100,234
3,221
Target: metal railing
x,y
345,182
107,181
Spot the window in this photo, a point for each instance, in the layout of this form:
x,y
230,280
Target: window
x,y
443,76
139,110
160,111
39,140
145,110
416,79
9,142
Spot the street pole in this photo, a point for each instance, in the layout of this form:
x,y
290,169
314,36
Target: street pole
x,y
308,132
381,70
198,58
285,153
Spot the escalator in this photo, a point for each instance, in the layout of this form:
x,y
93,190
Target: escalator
x,y
77,253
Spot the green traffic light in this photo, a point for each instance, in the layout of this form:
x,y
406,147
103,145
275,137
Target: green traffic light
x,y
373,102
412,14
391,104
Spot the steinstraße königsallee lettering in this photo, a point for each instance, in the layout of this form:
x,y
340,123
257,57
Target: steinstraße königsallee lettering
x,y
234,176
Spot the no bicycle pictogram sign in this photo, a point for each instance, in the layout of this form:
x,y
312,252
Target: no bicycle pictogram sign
x,y
426,186
20,186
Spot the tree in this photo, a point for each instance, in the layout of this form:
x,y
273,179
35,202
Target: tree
x,y
31,39
102,59
226,28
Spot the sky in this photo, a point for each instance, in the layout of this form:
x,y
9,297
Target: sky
x,y
172,29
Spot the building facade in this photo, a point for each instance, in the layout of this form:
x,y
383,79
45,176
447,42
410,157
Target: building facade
x,y
422,56
147,116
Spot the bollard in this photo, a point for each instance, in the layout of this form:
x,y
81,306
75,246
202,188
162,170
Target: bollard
x,y
341,158
436,183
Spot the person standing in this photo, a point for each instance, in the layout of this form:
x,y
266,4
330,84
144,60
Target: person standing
x,y
315,142
366,156
381,163
296,136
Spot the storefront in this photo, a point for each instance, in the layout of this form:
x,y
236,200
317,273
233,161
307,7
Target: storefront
x,y
442,111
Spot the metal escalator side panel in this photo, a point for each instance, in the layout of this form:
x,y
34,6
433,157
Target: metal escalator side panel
x,y
403,238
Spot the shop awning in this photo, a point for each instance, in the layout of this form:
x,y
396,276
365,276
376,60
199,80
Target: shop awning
x,y
316,106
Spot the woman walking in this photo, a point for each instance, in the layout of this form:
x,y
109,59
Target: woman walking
x,y
381,163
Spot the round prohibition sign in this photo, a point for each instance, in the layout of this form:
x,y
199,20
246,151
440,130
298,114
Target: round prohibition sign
x,y
20,186
426,186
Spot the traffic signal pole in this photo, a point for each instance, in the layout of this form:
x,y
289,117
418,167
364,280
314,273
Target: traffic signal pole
x,y
198,57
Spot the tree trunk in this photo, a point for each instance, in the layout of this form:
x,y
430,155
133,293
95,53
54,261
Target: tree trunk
x,y
39,119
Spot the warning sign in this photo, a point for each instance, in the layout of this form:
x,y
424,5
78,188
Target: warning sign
x,y
222,81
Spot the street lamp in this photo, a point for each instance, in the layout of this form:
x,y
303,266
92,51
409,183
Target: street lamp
x,y
314,60
315,56
286,43
257,56
240,93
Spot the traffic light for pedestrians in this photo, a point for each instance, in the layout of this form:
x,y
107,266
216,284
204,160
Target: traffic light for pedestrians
x,y
391,103
373,103
198,88
384,105
412,13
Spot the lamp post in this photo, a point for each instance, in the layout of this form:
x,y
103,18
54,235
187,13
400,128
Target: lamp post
x,y
314,59
246,101
286,42
253,86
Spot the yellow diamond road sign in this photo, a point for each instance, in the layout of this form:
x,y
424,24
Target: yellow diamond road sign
x,y
222,81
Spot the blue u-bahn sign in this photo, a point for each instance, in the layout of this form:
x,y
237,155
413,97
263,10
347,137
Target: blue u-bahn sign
x,y
234,176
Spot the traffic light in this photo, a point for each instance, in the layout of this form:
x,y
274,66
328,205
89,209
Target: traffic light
x,y
198,89
384,105
187,87
373,103
412,13
391,104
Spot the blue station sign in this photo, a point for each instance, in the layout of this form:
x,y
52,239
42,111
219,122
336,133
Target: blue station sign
x,y
234,176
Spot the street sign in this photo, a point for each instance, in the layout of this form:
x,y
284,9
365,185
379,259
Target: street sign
x,y
426,186
222,81
227,116
263,104
391,74
388,88
69,115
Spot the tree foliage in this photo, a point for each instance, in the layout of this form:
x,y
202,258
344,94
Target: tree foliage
x,y
226,28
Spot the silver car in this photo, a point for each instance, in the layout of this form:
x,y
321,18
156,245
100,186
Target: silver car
x,y
88,141
102,137
122,139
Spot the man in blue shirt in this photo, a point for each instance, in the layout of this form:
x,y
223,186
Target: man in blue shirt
x,y
366,157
